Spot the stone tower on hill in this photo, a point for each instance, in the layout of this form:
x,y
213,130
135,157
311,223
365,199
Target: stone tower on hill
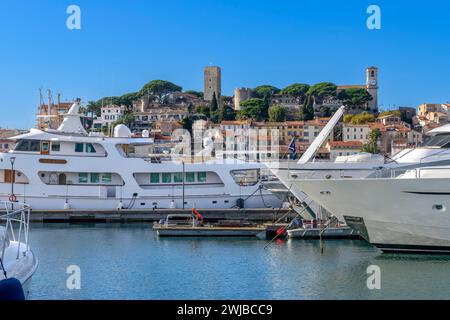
x,y
213,83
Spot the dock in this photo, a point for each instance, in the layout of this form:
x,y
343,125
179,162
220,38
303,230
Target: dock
x,y
146,215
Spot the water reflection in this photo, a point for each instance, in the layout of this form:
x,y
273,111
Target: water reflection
x,y
127,261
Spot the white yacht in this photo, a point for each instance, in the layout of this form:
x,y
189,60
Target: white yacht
x,y
70,169
344,167
17,259
403,206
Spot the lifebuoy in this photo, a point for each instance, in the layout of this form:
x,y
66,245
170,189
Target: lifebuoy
x,y
12,198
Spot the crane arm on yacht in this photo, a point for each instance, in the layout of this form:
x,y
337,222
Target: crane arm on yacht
x,y
322,137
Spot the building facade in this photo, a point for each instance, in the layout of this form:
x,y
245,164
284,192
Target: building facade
x,y
359,132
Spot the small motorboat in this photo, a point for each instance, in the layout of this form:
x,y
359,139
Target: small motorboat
x,y
192,225
331,229
17,262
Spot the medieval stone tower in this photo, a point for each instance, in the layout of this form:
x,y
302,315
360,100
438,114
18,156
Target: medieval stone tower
x,y
372,87
213,83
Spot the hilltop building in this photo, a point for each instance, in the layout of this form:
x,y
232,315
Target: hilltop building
x,y
371,86
212,83
433,112
108,115
240,95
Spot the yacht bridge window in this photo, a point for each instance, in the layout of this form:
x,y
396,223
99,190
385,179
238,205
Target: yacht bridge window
x,y
28,145
440,140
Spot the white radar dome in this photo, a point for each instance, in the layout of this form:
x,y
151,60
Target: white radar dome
x,y
122,131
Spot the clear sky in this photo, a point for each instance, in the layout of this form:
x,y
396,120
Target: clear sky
x,y
124,44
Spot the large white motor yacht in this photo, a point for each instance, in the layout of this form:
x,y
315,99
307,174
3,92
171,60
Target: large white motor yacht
x,y
70,169
403,206
344,167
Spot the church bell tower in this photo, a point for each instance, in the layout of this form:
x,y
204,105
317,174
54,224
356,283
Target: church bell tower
x,y
372,87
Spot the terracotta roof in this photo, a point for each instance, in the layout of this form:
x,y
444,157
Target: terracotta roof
x,y
236,122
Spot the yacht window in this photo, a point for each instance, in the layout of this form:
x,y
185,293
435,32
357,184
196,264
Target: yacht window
x,y
90,148
22,145
45,146
248,177
190,177
56,146
35,146
201,176
442,140
154,177
82,177
95,178
78,147
106,178
166,177
178,177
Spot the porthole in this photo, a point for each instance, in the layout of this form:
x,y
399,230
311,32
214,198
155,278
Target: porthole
x,y
439,207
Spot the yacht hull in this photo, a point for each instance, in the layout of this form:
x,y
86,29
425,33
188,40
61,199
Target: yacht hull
x,y
258,199
401,215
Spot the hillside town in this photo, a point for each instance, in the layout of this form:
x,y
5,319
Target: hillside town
x,y
298,112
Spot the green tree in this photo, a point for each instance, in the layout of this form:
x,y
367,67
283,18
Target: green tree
x,y
307,109
159,88
354,97
390,113
348,118
252,109
199,94
94,108
226,113
187,122
203,110
277,113
214,105
128,99
361,118
371,146
316,94
325,111
264,90
297,90
322,90
127,119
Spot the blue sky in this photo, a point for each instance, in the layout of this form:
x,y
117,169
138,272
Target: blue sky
x,y
124,44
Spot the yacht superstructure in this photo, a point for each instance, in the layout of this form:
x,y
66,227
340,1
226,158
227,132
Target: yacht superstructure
x,y
402,206
67,168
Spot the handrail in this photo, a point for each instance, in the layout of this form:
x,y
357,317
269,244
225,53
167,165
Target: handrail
x,y
23,222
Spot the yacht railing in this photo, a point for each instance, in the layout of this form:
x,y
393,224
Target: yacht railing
x,y
15,217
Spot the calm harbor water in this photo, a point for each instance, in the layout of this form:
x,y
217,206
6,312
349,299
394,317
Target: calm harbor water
x,y
128,261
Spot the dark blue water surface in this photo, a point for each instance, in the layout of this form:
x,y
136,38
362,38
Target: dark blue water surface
x,y
128,261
